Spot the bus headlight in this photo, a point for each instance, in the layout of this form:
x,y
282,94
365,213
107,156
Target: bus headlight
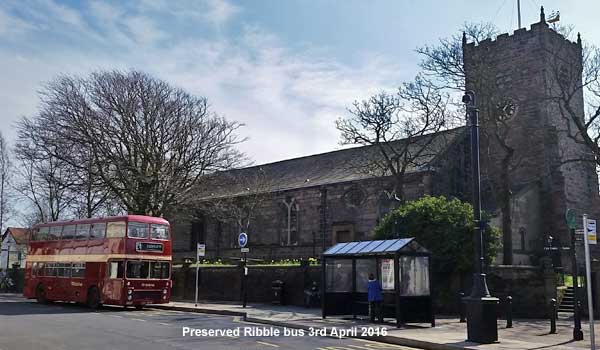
x,y
128,283
130,291
129,297
164,291
164,297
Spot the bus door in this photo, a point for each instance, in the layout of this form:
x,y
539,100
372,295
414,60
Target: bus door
x,y
114,284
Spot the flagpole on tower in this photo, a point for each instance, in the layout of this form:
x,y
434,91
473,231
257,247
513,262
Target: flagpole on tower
x,y
519,12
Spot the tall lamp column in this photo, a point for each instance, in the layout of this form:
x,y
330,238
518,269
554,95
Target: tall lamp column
x,y
482,322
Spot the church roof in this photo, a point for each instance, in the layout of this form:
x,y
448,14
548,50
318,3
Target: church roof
x,y
19,234
350,164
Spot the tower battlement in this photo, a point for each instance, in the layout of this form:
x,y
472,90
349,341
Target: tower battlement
x,y
522,34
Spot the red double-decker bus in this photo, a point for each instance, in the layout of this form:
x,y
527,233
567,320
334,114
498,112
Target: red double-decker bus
x,y
121,260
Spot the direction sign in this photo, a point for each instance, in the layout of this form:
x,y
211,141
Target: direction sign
x,y
243,239
571,218
591,231
201,251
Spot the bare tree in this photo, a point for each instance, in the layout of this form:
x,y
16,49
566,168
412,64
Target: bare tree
x,y
45,181
445,65
575,93
396,126
247,190
5,167
145,142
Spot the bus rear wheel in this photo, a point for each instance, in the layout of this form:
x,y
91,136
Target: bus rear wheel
x,y
93,298
40,294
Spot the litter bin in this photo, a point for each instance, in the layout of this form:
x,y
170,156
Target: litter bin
x,y
277,288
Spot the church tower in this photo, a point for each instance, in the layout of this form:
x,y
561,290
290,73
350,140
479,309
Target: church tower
x,y
528,174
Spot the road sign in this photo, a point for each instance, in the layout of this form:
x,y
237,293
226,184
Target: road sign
x,y
571,218
243,239
201,250
245,250
591,231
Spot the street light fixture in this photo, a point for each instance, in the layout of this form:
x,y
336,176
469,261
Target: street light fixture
x,y
482,322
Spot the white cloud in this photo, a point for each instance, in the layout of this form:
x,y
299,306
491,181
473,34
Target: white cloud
x,y
288,99
11,25
216,12
219,11
144,30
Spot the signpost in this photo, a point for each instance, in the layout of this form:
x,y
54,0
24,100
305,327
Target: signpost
x,y
571,219
200,253
243,241
589,237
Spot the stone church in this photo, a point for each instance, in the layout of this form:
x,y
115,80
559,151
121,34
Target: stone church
x,y
296,208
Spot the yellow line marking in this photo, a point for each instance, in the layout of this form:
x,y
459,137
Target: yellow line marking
x,y
164,324
268,344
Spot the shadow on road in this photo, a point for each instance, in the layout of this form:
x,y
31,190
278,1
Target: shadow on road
x,y
14,306
33,308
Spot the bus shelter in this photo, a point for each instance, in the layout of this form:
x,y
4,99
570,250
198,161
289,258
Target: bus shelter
x,y
401,265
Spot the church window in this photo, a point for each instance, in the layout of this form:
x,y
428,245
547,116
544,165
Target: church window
x,y
290,231
354,197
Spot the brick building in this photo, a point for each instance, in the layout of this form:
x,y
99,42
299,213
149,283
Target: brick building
x,y
316,201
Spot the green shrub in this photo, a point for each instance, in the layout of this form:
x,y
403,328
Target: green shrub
x,y
444,227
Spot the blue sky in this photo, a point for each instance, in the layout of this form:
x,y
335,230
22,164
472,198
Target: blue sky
x,y
286,69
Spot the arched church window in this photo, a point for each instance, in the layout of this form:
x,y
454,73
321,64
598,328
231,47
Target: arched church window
x,y
290,230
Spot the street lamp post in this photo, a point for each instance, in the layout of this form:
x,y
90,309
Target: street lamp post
x,y
482,322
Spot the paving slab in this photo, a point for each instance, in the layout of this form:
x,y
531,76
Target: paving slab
x,y
449,333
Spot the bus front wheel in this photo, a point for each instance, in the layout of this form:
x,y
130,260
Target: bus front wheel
x,y
93,298
40,294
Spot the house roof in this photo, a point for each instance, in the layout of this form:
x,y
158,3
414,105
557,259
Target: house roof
x,y
19,234
344,165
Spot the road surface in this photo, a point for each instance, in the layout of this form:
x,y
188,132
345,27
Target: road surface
x,y
27,325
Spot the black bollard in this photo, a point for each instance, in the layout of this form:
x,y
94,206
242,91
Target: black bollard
x,y
461,307
509,312
553,317
577,333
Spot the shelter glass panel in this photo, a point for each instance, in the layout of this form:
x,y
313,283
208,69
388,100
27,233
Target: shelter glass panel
x,y
371,246
400,243
414,279
335,248
357,248
364,267
347,248
383,246
339,275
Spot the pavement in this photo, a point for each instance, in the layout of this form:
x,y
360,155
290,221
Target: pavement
x,y
449,333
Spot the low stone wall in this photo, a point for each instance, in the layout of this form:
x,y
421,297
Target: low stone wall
x,y
531,288
225,283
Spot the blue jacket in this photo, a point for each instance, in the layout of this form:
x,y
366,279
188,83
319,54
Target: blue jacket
x,y
374,289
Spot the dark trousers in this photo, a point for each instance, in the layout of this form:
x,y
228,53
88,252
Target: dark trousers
x,y
375,310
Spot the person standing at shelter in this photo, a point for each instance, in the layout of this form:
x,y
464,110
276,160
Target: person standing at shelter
x,y
375,298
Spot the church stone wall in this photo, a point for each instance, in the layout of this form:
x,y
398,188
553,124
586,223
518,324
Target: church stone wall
x,y
352,211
